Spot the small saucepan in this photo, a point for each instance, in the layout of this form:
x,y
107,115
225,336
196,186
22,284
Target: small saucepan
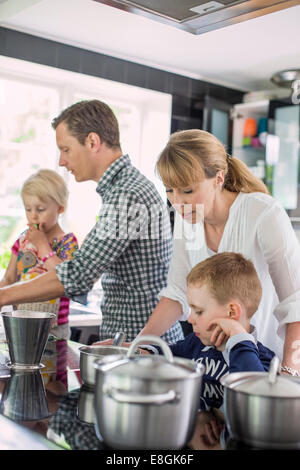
x,y
88,354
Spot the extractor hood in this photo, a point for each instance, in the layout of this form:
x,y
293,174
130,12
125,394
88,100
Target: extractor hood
x,y
198,17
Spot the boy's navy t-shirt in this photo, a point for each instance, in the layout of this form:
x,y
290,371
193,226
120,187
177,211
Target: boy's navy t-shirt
x,y
244,355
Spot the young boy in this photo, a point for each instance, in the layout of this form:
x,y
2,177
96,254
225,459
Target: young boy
x,y
223,292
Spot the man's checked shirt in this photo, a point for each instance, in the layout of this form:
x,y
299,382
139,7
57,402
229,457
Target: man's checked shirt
x,y
129,247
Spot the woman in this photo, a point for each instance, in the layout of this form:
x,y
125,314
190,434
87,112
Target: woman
x,y
238,215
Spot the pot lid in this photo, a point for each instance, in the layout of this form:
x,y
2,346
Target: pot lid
x,y
283,387
265,384
161,367
153,367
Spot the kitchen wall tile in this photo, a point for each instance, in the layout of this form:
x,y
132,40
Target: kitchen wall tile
x,y
157,79
115,69
43,51
92,64
136,74
180,85
3,42
31,48
198,89
68,57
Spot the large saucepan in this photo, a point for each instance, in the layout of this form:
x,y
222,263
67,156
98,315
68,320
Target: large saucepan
x,y
147,402
263,409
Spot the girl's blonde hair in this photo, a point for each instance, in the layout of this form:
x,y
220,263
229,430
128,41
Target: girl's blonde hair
x,y
46,184
192,155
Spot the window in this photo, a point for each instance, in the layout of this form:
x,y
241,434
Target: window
x,y
30,96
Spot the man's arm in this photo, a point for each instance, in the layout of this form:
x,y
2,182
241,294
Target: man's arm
x,y
44,287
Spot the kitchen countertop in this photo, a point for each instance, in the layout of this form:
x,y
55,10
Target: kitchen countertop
x,y
84,315
51,407
87,311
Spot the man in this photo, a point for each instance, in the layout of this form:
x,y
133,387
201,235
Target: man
x,y
129,247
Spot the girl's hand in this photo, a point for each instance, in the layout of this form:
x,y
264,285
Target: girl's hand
x,y
37,237
224,328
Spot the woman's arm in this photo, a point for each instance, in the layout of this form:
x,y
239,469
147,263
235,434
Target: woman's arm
x,y
291,352
44,287
10,275
281,250
166,313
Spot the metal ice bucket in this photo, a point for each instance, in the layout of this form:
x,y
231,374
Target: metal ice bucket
x,y
26,334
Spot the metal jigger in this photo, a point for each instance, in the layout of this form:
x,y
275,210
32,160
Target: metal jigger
x,y
26,334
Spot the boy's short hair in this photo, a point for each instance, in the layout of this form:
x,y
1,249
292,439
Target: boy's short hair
x,y
90,116
229,276
45,184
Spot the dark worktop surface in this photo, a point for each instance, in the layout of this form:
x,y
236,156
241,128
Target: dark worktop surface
x,y
52,408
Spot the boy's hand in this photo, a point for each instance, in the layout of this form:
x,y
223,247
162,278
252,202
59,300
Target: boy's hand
x,y
207,432
212,433
224,328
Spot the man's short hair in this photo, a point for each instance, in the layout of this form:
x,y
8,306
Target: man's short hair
x,y
90,116
229,276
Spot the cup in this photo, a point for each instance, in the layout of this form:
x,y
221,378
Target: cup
x,y
26,334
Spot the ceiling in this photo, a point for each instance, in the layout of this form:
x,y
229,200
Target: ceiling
x,y
242,56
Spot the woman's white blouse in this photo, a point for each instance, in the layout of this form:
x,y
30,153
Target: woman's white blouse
x,y
258,228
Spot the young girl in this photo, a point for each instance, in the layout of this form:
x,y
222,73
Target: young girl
x,y
44,244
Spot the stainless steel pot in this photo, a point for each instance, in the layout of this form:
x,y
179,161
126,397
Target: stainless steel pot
x,y
147,402
263,408
88,354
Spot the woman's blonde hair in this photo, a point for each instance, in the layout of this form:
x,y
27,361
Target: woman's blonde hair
x,y
46,184
229,276
192,155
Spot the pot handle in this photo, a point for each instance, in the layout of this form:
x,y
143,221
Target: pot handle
x,y
274,370
139,399
152,340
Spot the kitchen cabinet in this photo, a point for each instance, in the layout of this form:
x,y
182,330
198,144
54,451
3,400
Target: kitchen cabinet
x,y
185,114
217,120
209,114
252,155
274,157
282,153
264,134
